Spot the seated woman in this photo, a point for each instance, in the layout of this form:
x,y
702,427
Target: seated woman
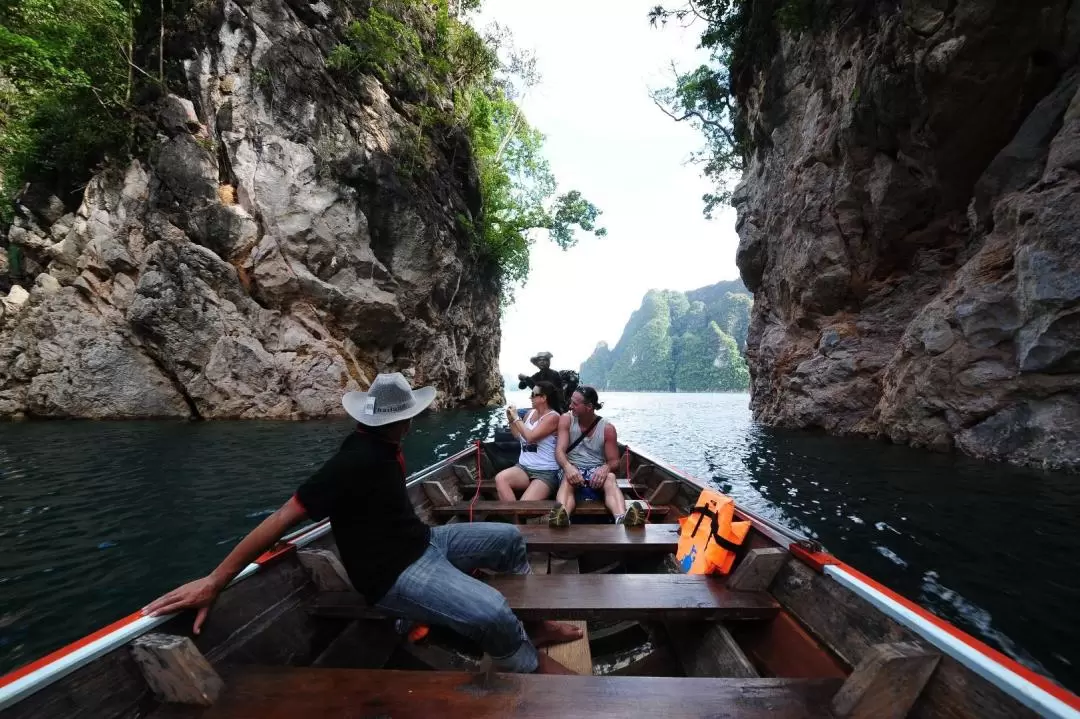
x,y
536,470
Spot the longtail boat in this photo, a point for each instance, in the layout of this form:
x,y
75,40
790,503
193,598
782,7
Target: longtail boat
x,y
791,631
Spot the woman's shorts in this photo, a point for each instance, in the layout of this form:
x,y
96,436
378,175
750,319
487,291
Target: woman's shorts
x,y
550,477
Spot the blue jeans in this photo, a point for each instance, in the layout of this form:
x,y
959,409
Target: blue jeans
x,y
435,589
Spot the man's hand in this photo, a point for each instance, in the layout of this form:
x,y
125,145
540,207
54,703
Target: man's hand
x,y
199,594
523,377
573,476
596,480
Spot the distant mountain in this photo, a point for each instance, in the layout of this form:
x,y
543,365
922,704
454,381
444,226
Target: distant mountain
x,y
678,342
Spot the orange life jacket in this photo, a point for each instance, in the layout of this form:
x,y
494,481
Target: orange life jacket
x,y
708,538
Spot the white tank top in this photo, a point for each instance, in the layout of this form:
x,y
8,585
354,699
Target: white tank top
x,y
544,456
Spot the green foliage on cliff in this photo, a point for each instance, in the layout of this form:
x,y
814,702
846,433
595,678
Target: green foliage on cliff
x,y
471,83
740,35
687,342
65,86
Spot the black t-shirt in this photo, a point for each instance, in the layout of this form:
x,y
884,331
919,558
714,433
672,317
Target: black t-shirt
x,y
362,490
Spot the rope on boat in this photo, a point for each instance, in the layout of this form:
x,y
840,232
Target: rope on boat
x,y
479,481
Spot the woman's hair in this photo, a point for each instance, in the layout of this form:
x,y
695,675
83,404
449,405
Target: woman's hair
x,y
551,394
589,395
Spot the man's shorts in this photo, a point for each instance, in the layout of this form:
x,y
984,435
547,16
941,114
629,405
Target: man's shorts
x,y
585,493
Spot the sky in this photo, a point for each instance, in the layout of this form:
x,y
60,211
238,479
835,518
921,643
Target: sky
x,y
598,59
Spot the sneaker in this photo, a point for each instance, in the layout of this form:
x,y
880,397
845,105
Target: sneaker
x,y
635,515
558,516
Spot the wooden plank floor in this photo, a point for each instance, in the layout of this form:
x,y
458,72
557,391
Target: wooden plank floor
x,y
601,537
528,509
671,597
277,693
576,655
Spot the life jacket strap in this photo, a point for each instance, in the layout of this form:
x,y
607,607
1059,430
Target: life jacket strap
x,y
715,522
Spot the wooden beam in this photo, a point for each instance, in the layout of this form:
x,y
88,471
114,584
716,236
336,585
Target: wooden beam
x,y
708,650
469,488
276,693
325,569
441,492
675,597
664,492
529,509
602,538
757,569
886,682
575,655
467,476
175,670
630,596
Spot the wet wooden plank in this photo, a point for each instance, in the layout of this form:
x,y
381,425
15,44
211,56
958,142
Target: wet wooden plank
x,y
175,670
630,596
757,569
675,597
886,683
326,570
708,650
468,488
575,655
602,537
277,693
849,625
528,509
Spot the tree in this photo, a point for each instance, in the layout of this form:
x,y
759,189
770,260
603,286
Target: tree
x,y
739,34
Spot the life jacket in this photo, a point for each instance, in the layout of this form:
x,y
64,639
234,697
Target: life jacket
x,y
708,538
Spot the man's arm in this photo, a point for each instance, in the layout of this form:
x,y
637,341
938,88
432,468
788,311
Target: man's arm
x,y
201,593
562,442
570,472
611,447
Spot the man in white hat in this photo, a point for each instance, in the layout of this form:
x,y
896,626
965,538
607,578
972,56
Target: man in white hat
x,y
397,562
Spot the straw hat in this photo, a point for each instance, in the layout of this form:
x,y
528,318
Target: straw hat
x,y
389,399
539,356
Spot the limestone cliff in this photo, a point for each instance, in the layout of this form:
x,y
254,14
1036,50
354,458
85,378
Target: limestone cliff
x,y
909,224
678,342
269,251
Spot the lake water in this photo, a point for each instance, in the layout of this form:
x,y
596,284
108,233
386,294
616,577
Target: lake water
x,y
97,518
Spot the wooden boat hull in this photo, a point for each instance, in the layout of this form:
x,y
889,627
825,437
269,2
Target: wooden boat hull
x,y
829,619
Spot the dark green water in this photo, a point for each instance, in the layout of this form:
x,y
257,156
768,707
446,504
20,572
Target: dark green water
x,y
98,518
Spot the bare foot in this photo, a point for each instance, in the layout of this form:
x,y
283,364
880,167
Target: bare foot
x,y
547,665
547,633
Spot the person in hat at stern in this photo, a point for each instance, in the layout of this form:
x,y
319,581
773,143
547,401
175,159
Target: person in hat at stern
x,y
400,565
542,360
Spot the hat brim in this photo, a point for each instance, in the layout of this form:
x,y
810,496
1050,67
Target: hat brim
x,y
353,402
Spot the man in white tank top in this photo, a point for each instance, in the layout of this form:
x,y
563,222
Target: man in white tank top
x,y
587,450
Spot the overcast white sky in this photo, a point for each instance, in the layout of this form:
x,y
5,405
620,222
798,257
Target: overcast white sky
x,y
598,59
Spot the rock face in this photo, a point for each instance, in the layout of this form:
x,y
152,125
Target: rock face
x,y
910,227
267,255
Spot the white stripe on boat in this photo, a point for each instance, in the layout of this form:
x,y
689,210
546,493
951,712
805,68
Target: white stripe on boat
x,y
1030,695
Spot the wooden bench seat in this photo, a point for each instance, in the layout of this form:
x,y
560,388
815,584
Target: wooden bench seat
x,y
528,509
601,538
671,597
273,693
